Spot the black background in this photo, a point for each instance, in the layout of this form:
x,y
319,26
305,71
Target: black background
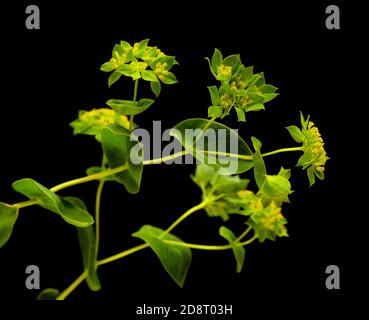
x,y
51,73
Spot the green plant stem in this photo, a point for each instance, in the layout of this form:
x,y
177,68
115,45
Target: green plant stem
x,y
75,182
73,286
226,154
198,246
243,235
170,157
282,150
122,254
134,99
125,253
183,217
97,215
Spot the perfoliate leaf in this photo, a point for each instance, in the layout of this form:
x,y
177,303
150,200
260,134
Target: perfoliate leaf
x,y
87,244
48,294
114,76
155,88
129,108
175,259
276,188
75,212
8,217
296,133
68,208
35,191
210,146
238,251
117,145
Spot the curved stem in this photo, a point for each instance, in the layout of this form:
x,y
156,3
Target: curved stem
x,y
97,214
243,235
134,99
198,246
170,157
122,254
183,216
225,154
73,286
248,241
282,150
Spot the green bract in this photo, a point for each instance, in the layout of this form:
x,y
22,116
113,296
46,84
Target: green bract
x,y
222,156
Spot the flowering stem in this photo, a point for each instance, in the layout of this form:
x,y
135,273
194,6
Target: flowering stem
x,y
134,99
97,209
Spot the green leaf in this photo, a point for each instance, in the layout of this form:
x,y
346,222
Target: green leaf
x,y
149,75
241,115
48,294
285,173
233,61
175,259
216,61
117,146
296,134
126,70
249,73
214,95
113,78
70,209
169,60
75,212
8,217
255,107
206,149
169,78
215,111
155,88
311,176
107,67
256,143
267,88
95,169
238,251
269,96
276,188
37,192
259,169
87,244
129,108
141,47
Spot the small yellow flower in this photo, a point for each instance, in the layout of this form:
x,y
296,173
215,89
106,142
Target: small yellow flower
x,y
225,70
314,142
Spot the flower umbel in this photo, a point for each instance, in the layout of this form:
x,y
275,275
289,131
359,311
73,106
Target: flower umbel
x,y
93,121
315,156
268,223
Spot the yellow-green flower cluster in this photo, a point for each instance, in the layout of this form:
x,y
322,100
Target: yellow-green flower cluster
x,y
315,156
93,121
